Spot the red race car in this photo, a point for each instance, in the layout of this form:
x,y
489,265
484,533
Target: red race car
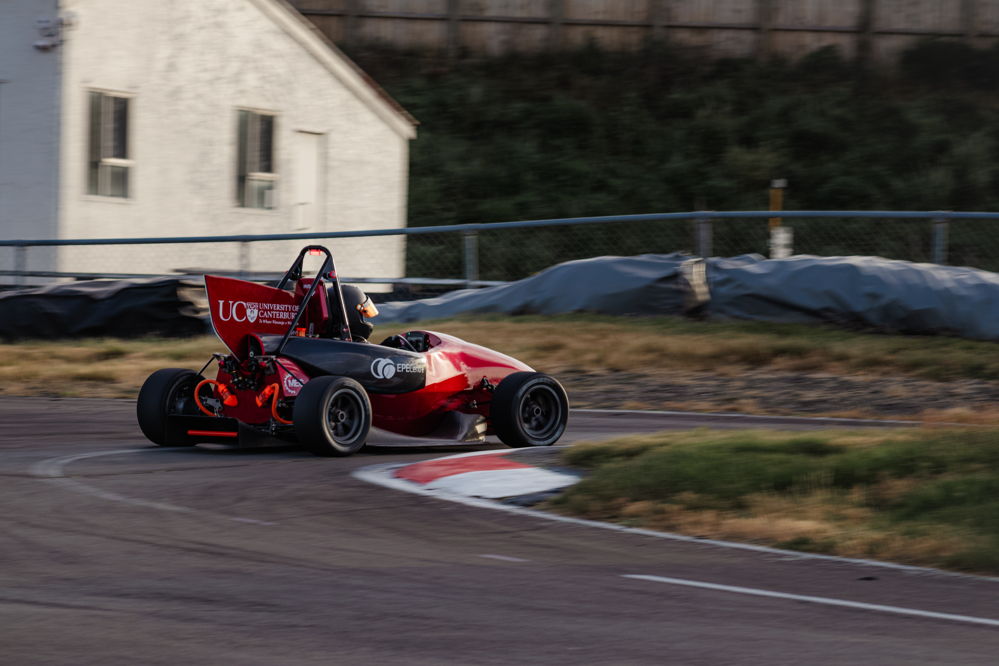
x,y
301,368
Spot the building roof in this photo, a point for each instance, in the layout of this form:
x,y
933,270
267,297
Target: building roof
x,y
343,68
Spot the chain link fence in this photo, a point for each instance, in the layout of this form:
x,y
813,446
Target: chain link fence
x,y
416,262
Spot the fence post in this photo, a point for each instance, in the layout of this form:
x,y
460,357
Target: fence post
x,y
471,255
764,27
556,17
453,30
244,259
941,227
969,21
703,235
351,29
865,31
658,18
20,264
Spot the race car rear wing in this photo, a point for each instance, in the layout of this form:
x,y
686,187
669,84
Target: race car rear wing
x,y
240,309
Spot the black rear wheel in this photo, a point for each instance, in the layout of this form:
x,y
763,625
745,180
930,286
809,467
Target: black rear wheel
x,y
529,409
332,416
164,393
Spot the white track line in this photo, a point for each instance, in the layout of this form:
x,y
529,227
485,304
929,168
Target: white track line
x,y
826,601
504,558
381,475
51,470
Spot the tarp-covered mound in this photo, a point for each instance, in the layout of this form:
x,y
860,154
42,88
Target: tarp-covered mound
x,y
118,308
610,285
863,292
868,292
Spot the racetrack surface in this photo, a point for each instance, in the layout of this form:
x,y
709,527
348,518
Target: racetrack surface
x,y
116,552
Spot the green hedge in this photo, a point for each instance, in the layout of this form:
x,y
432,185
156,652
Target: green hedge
x,y
596,133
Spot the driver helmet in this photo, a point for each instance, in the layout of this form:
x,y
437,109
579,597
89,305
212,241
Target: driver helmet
x,y
358,306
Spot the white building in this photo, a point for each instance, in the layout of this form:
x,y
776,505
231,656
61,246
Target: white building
x,y
191,118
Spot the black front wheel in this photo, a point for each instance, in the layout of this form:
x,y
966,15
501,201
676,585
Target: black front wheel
x,y
332,416
529,409
165,393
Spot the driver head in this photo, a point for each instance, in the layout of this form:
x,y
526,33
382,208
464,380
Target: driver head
x,y
358,306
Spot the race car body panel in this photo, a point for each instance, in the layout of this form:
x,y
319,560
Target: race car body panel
x,y
284,338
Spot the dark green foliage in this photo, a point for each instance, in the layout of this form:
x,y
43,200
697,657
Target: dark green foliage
x,y
591,133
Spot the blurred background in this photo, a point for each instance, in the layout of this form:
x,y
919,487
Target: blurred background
x,y
268,120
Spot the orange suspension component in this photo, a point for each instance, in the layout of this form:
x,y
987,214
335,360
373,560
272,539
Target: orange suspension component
x,y
229,399
265,395
271,392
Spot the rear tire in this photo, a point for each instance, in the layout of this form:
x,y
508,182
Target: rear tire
x,y
165,392
332,416
529,409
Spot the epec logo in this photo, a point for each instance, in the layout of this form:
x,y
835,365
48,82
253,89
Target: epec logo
x,y
383,368
238,311
386,368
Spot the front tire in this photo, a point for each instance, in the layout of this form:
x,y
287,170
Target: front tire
x,y
164,393
332,416
529,409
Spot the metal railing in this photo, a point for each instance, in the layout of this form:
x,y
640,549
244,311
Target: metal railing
x,y
489,253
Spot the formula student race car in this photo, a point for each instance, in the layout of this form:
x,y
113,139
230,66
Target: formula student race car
x,y
301,368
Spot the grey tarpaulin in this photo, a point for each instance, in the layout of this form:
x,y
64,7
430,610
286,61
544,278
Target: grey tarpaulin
x,y
869,292
650,283
864,292
118,308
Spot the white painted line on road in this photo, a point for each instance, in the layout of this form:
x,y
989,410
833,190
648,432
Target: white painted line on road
x,y
504,558
381,475
826,601
51,470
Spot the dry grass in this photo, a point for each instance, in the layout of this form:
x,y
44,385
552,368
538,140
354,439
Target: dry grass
x,y
670,343
97,368
921,496
575,343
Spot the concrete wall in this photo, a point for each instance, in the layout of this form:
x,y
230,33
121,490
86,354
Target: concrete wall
x,y
188,66
29,128
876,30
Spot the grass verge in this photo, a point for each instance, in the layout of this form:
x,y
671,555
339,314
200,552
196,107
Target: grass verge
x,y
583,343
927,497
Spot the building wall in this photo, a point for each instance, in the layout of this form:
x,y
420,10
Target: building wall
x,y
29,128
189,65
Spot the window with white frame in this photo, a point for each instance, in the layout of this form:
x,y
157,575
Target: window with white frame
x,y
108,163
255,172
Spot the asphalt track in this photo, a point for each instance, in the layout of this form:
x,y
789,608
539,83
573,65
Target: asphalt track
x,y
115,552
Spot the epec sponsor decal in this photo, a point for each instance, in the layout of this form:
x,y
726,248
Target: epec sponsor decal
x,y
252,312
291,385
386,368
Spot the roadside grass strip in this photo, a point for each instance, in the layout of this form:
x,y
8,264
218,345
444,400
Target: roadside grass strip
x,y
108,367
925,497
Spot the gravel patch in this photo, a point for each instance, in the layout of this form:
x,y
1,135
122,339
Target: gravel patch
x,y
770,392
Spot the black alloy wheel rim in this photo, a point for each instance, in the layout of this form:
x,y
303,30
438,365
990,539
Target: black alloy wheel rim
x,y
180,400
343,416
541,412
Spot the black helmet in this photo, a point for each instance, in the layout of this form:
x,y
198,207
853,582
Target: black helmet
x,y
358,306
